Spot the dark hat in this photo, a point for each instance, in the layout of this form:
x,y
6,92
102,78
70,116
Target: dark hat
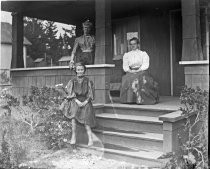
x,y
87,23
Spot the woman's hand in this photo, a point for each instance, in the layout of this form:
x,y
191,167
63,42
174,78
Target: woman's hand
x,y
79,103
84,103
71,64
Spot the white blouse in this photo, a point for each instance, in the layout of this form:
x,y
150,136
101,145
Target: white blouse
x,y
135,59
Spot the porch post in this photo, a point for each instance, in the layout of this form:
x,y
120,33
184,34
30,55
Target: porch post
x,y
17,41
191,48
103,52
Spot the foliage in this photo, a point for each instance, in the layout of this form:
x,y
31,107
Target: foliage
x,y
34,32
7,100
193,151
13,148
68,39
51,42
38,113
15,143
4,77
45,44
5,153
51,123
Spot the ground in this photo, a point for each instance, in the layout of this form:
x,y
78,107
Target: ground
x,y
67,159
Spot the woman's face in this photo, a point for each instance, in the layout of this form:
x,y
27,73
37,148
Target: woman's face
x,y
133,45
86,30
80,70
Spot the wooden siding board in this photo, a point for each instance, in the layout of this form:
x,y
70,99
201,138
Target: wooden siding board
x,y
205,82
196,81
47,80
58,79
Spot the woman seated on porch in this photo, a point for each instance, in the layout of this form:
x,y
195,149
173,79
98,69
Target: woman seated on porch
x,y
137,85
80,96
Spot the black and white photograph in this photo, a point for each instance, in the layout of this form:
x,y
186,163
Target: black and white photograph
x,y
104,84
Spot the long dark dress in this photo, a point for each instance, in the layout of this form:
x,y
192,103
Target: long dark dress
x,y
82,91
139,88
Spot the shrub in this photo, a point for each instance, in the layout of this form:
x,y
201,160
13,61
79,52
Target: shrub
x,y
50,122
14,146
4,76
193,152
38,113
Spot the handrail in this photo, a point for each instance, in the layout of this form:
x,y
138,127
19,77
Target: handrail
x,y
62,67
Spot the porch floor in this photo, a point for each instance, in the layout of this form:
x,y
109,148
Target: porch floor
x,y
165,103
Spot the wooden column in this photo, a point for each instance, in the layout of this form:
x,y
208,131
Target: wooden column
x,y
103,51
191,47
17,40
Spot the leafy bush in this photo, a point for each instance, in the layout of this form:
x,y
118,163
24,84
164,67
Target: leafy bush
x,y
4,76
13,148
50,122
37,114
193,152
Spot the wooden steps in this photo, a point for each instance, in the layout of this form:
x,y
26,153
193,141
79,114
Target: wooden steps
x,y
147,141
135,156
138,110
130,133
131,122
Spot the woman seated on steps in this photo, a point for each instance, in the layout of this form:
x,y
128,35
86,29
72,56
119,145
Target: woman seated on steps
x,y
80,95
137,85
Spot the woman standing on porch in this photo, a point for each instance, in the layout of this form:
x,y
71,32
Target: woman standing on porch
x,y
137,85
80,96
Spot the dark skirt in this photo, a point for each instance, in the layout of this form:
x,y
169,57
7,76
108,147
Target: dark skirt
x,y
86,58
84,115
139,88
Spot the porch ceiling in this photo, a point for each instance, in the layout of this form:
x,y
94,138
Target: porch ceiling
x,y
123,8
70,12
76,11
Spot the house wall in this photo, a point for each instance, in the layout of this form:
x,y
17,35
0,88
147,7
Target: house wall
x,y
154,32
155,40
6,56
197,76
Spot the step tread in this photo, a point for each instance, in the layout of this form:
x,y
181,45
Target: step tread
x,y
142,135
137,153
129,117
164,108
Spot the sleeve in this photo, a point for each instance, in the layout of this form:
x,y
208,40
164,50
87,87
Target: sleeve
x,y
76,43
91,92
125,63
70,91
145,64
